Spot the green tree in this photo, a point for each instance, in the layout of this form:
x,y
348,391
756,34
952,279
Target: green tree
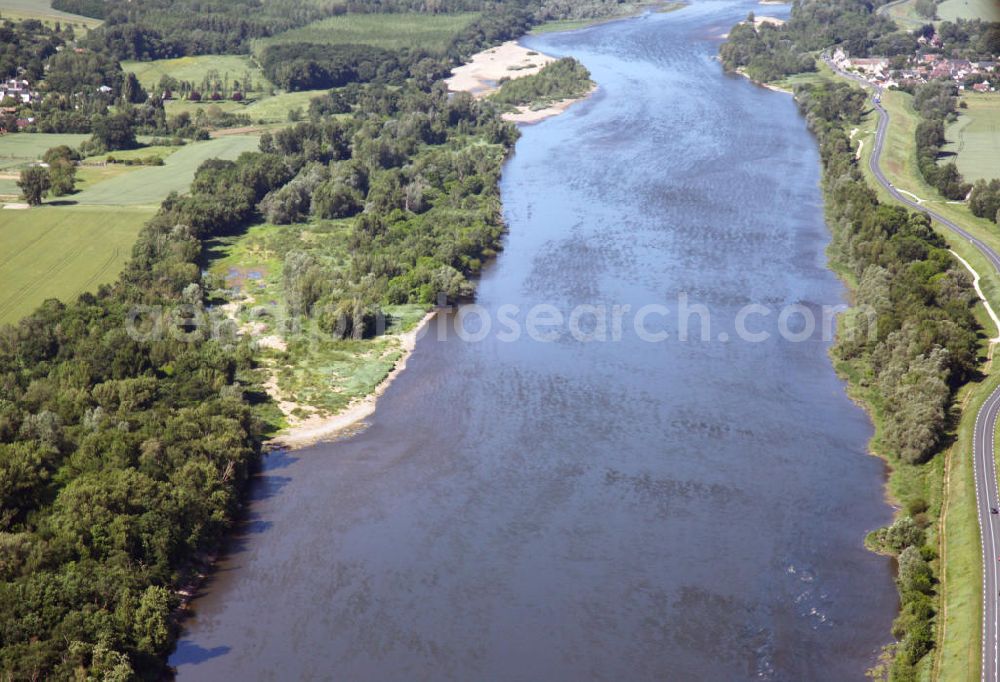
x,y
914,572
62,177
334,199
985,199
34,184
132,91
152,620
114,132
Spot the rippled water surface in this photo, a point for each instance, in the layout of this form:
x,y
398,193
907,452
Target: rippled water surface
x,y
594,511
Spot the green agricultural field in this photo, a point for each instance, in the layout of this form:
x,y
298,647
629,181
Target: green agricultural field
x,y
196,69
42,10
264,109
975,137
261,106
176,106
20,149
60,252
987,10
275,109
904,13
148,186
432,32
159,151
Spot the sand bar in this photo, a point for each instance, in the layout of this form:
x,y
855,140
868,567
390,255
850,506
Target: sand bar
x,y
482,75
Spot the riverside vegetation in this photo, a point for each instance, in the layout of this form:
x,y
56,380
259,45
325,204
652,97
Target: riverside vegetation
x,y
904,280
121,462
561,80
925,346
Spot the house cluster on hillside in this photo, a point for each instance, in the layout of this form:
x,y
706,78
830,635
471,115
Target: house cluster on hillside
x,y
921,67
18,90
15,93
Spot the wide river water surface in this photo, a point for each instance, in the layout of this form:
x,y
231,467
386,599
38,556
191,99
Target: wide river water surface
x,y
633,508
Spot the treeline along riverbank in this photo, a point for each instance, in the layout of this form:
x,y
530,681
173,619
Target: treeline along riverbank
x,y
911,340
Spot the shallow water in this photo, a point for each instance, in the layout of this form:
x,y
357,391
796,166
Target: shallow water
x,y
617,510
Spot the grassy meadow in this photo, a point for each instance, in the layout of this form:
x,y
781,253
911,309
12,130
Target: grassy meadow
x,y
904,13
149,185
42,10
275,109
20,149
431,32
60,252
264,109
987,10
195,69
974,138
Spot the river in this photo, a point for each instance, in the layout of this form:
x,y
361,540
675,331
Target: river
x,y
582,509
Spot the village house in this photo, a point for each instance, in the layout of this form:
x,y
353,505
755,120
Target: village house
x,y
18,90
875,66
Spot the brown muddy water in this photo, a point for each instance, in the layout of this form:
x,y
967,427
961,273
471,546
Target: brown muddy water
x,y
580,509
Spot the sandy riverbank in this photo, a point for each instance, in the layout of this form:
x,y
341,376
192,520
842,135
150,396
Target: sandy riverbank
x,y
526,115
482,74
317,428
775,88
481,77
774,21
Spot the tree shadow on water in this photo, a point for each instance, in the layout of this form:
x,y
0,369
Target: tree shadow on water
x,y
189,653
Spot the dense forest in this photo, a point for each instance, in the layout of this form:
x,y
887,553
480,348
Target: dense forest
x,y
26,45
910,341
122,459
121,462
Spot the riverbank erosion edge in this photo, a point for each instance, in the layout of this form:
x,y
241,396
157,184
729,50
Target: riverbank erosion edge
x,y
304,432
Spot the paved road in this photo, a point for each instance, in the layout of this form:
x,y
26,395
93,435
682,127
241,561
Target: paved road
x,y
987,497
